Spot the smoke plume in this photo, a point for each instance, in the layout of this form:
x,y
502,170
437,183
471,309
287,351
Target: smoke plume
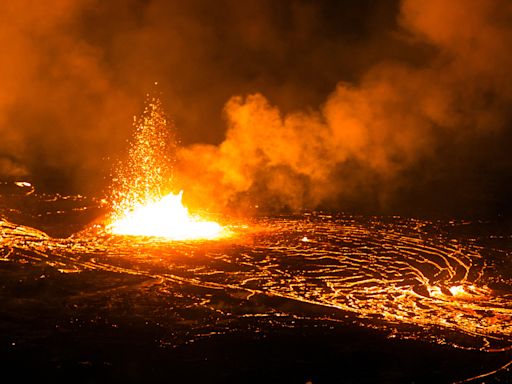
x,y
357,105
401,127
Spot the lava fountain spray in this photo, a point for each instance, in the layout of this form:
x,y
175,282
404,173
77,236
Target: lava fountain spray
x,y
142,201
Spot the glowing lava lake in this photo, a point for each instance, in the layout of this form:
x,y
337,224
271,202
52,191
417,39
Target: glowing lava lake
x,y
312,297
156,293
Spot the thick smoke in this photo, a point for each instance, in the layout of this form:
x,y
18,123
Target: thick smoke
x,y
416,113
60,112
397,129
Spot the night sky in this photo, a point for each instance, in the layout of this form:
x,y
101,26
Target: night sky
x,y
389,107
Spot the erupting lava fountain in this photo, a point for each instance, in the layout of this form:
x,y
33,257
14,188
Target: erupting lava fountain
x,y
140,207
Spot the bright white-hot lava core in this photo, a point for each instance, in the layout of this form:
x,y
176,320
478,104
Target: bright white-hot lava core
x,y
140,207
167,218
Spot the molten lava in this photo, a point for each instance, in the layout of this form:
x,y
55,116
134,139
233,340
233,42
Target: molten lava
x,y
167,218
140,207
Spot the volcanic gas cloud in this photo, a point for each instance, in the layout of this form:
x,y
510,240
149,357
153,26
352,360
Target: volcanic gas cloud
x,y
377,137
416,113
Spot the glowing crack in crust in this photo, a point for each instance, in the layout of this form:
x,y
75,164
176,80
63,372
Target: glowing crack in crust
x,y
392,274
403,276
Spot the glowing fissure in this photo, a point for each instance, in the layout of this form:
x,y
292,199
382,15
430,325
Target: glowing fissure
x,y
140,205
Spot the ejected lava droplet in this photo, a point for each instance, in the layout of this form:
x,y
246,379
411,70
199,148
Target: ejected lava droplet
x,y
142,201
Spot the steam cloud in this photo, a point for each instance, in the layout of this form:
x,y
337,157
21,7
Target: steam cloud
x,y
419,116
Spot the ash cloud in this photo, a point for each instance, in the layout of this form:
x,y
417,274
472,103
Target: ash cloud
x,y
357,105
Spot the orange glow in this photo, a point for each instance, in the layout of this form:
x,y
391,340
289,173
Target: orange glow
x,y
140,207
458,290
167,218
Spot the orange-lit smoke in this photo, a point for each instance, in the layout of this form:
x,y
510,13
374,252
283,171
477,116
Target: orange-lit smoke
x,y
419,105
61,113
397,116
